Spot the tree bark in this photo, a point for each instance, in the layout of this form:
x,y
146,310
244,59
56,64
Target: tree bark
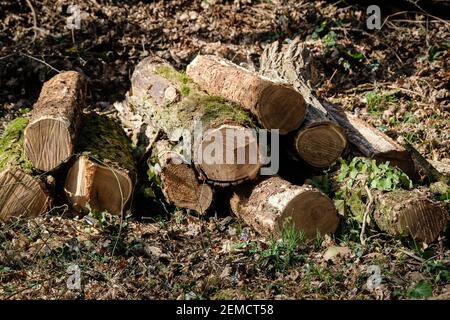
x,y
21,194
267,205
51,134
412,213
320,140
179,181
276,105
176,106
103,176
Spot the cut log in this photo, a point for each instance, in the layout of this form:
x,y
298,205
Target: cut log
x,y
398,212
21,194
276,105
180,184
267,205
295,64
320,140
220,130
50,135
412,213
103,176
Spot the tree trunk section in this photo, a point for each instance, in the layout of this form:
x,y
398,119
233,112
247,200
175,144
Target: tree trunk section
x,y
269,204
180,184
412,213
277,106
209,126
50,136
320,140
21,194
103,176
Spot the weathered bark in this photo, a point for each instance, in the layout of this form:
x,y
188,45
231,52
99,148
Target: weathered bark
x,y
267,205
412,213
50,136
21,194
295,64
176,106
276,105
398,212
103,176
320,140
180,184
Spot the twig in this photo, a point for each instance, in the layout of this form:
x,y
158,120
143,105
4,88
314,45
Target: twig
x,y
41,61
33,12
366,213
412,255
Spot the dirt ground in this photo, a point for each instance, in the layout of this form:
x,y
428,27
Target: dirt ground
x,y
396,78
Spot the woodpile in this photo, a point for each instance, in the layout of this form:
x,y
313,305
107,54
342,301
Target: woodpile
x,y
196,136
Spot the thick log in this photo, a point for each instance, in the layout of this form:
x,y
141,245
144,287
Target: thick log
x,y
320,140
276,105
180,184
398,212
50,135
103,176
412,213
21,194
176,106
267,205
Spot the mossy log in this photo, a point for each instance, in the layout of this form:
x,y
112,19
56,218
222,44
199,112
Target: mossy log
x,y
321,140
267,205
21,193
51,133
276,105
412,213
180,184
398,213
103,175
209,126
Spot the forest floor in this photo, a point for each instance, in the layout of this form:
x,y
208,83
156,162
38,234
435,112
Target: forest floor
x,y
397,78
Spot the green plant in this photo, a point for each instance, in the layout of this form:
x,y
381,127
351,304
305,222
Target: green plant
x,y
282,253
376,102
439,269
422,289
383,176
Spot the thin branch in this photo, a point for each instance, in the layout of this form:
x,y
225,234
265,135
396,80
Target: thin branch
x,y
41,61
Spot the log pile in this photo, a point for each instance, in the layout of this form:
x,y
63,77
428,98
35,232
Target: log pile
x,y
195,135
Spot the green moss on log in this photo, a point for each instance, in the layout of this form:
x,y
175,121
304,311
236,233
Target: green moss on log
x,y
104,140
194,104
11,146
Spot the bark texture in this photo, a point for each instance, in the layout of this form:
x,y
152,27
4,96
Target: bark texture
x,y
21,194
412,213
320,140
267,205
180,184
276,105
175,105
51,134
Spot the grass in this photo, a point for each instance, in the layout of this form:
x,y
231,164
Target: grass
x,y
377,102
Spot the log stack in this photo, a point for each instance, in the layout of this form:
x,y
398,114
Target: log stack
x,y
195,135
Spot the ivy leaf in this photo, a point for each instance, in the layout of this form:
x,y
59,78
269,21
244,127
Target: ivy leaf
x,y
421,290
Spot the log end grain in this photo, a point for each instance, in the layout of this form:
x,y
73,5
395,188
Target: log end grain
x,y
92,185
21,195
321,145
